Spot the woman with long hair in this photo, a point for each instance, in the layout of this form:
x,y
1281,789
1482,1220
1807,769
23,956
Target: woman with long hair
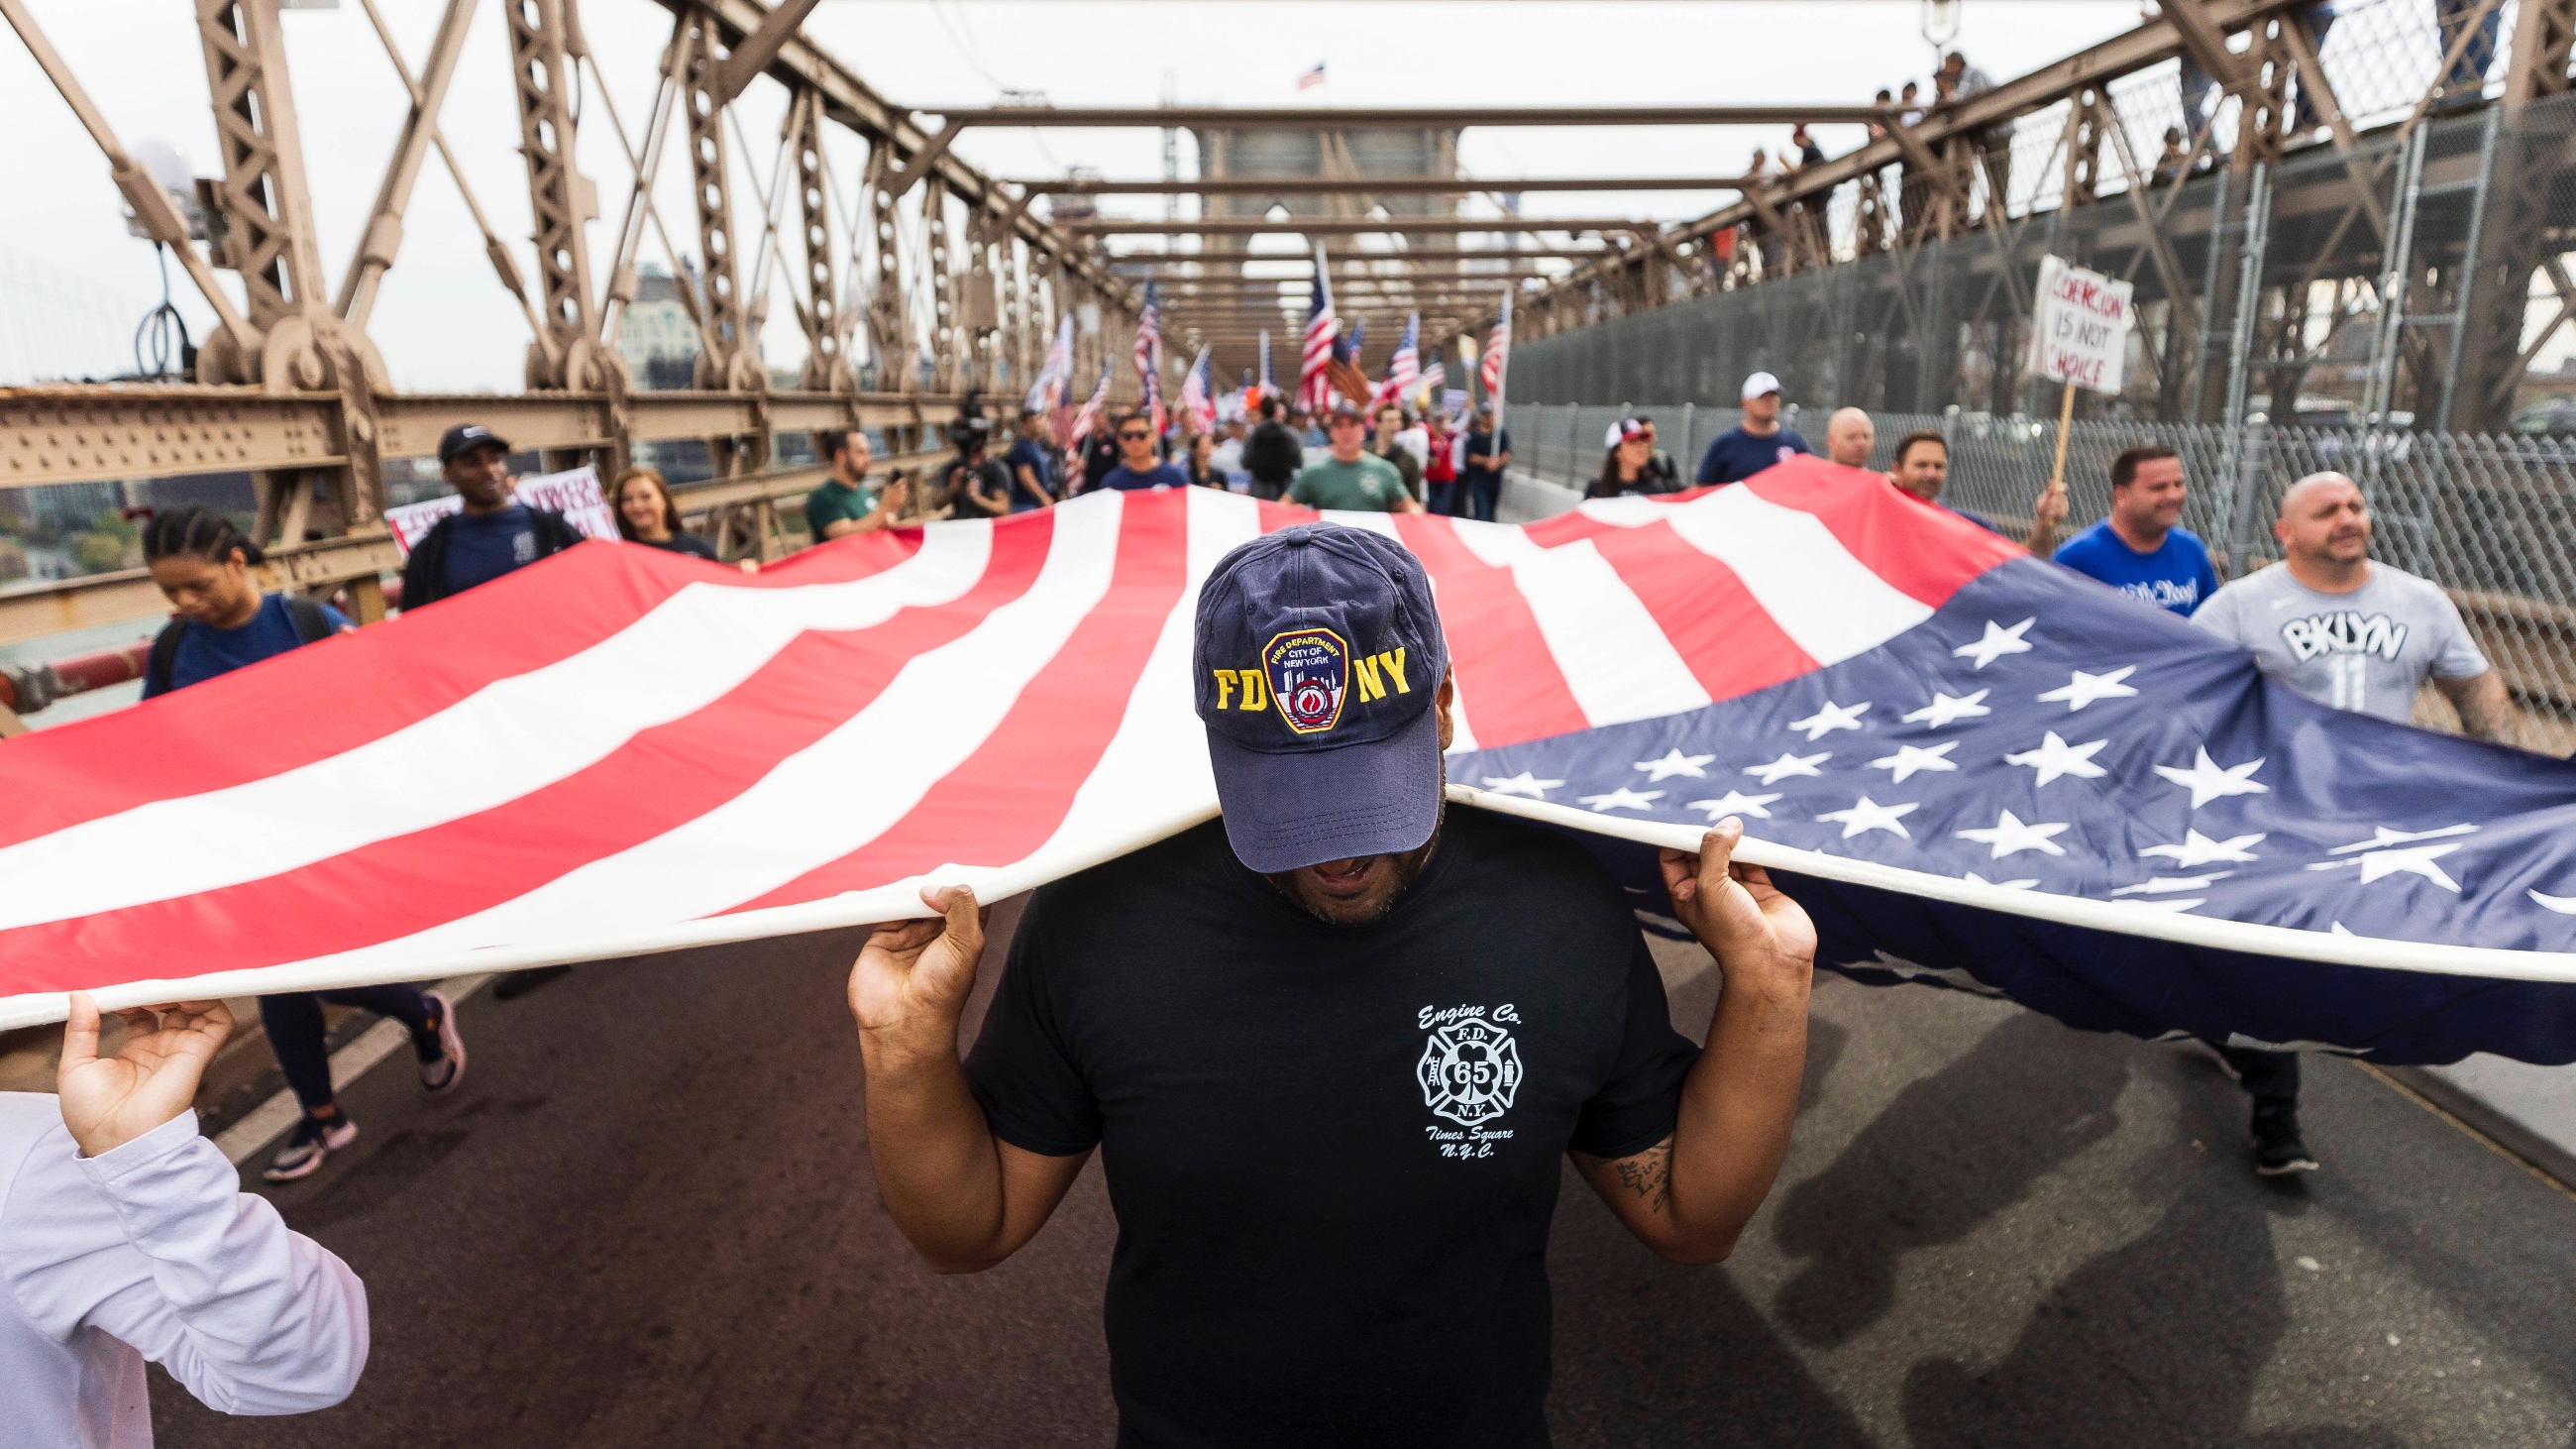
x,y
1630,466
1200,462
646,515
223,622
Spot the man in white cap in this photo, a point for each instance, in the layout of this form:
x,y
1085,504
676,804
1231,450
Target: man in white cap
x,y
1757,443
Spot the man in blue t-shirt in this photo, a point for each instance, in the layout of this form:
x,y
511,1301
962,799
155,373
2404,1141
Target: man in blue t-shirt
x,y
491,535
1757,443
1031,489
1483,461
2140,549
1137,465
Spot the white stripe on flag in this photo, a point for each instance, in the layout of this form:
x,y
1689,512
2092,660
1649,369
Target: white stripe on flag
x,y
1499,545
832,797
1615,658
1156,767
505,740
1822,597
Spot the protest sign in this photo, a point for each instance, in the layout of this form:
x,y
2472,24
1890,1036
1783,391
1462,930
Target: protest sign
x,y
573,493
2081,336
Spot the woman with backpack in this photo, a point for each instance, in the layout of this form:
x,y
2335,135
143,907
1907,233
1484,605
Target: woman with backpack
x,y
221,622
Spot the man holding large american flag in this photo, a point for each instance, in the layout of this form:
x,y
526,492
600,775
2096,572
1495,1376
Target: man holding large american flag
x,y
1243,1015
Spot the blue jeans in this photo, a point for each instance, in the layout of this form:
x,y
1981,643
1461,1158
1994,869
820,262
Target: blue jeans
x,y
1482,494
294,1026
1441,498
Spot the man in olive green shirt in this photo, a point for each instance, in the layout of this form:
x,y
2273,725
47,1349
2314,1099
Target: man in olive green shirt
x,y
1352,477
844,504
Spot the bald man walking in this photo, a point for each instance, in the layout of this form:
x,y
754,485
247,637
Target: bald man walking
x,y
2354,635
1850,437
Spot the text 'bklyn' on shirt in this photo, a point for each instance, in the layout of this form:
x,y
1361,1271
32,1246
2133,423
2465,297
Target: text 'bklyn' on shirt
x,y
2364,651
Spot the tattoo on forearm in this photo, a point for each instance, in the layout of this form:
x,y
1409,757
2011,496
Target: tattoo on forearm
x,y
1649,1174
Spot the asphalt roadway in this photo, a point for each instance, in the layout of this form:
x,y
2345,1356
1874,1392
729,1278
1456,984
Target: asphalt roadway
x,y
647,1219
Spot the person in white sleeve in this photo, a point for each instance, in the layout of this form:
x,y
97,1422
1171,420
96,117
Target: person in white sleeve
x,y
125,1236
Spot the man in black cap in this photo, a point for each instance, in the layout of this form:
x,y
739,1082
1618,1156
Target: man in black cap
x,y
493,534
1332,1047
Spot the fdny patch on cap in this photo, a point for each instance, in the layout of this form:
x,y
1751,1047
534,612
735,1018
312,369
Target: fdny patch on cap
x,y
1307,670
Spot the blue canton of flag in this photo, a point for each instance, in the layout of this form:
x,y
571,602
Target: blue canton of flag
x,y
2048,792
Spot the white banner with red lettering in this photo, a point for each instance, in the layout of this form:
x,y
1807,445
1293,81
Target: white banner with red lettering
x,y
573,493
2081,335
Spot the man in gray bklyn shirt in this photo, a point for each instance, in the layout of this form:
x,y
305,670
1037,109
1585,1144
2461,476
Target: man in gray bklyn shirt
x,y
2356,635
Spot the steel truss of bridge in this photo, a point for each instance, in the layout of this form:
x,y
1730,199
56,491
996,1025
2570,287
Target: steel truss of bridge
x,y
1898,271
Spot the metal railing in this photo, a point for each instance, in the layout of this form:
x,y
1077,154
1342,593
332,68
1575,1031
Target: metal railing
x,y
2492,519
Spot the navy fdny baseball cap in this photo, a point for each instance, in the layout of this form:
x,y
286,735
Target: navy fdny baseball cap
x,y
1319,658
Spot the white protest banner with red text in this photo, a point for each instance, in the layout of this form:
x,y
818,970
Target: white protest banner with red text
x,y
2081,335
573,493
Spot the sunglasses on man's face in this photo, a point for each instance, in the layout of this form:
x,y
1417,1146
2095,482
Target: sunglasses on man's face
x,y
1133,437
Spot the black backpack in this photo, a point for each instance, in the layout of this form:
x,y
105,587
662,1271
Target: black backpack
x,y
310,624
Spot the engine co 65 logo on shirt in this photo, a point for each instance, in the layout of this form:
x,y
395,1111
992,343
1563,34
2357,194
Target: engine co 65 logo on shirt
x,y
1470,1071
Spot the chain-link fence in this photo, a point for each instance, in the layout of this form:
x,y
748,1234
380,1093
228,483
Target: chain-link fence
x,y
2388,255
2491,519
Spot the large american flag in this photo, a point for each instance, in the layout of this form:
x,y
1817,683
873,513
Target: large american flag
x,y
1314,380
1976,770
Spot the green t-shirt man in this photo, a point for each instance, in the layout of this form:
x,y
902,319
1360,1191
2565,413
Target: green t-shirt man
x,y
1369,484
835,501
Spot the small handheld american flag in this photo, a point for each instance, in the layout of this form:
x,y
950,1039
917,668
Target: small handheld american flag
x,y
1314,388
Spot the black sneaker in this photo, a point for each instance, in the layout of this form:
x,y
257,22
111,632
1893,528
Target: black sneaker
x,y
2278,1151
313,1141
442,1053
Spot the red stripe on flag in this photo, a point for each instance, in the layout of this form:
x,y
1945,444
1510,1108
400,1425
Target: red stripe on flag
x,y
1923,551
1731,643
1004,800
334,696
1512,686
660,779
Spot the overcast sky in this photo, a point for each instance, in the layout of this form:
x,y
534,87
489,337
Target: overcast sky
x,y
444,324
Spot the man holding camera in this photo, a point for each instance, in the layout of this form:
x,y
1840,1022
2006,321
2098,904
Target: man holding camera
x,y
974,486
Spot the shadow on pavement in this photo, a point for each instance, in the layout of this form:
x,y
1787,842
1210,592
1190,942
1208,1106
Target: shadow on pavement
x,y
1648,1353
2100,1363
1951,1151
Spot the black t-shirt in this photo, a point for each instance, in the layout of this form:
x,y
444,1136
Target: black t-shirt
x,y
1273,454
988,480
1099,456
1332,1150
